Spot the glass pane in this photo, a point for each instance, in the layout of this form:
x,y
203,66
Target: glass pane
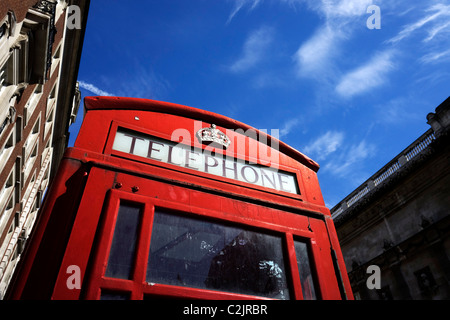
x,y
111,295
194,253
121,255
304,268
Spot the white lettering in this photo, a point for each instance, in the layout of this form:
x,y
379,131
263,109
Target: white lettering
x,y
203,160
200,310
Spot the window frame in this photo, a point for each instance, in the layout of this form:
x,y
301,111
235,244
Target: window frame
x,y
7,202
137,288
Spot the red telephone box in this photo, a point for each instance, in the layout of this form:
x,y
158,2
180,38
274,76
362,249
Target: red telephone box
x,y
162,200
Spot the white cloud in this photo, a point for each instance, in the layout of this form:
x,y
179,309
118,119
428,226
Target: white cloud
x,y
288,126
324,145
435,56
349,161
239,4
254,49
314,54
92,88
344,8
438,29
367,76
439,10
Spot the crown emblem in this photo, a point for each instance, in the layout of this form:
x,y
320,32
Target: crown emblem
x,y
213,136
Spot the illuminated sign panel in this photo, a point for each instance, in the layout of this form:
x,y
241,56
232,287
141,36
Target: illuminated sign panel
x,y
150,147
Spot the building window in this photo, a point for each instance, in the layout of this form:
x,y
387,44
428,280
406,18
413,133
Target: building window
x,y
55,59
9,184
7,148
48,124
32,103
51,100
8,119
425,280
32,140
7,26
17,66
3,29
36,127
3,80
30,152
2,77
7,201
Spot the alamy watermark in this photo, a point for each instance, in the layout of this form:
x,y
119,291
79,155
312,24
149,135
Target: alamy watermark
x,y
374,280
374,21
74,279
73,17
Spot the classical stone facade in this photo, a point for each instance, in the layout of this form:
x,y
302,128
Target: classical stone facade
x,y
39,59
399,220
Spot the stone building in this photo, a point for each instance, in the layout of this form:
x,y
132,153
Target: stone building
x,y
39,58
399,220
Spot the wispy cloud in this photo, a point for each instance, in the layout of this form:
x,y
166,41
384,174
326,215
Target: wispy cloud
x,y
288,126
397,111
316,54
313,56
343,8
445,26
339,156
92,88
349,160
435,56
239,4
367,76
438,11
254,49
323,146
142,82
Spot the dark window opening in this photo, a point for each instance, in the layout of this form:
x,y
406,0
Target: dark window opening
x,y
304,268
123,246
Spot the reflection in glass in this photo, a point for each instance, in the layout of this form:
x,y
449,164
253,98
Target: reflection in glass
x,y
121,255
189,252
304,268
111,295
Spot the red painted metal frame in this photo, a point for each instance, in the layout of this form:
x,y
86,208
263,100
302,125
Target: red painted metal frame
x,y
289,224
76,223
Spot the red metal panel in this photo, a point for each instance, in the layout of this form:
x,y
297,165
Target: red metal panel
x,y
292,259
83,231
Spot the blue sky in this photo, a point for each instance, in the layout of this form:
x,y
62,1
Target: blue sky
x,y
347,96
